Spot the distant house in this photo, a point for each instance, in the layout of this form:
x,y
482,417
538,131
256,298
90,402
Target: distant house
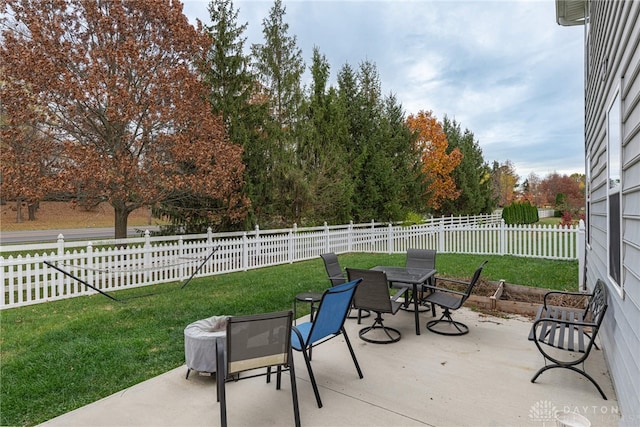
x,y
612,165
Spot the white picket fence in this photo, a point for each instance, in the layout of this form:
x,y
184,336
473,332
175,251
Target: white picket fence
x,y
122,264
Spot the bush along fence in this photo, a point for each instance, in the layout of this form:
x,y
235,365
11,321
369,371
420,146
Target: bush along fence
x,y
68,269
520,213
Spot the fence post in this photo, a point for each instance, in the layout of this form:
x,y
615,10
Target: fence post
x,y
290,245
581,248
327,237
181,274
503,238
372,240
147,256
390,239
258,249
350,237
245,251
89,270
2,281
208,249
57,289
441,235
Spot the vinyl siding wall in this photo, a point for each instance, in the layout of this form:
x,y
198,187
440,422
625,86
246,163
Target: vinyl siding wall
x,y
612,66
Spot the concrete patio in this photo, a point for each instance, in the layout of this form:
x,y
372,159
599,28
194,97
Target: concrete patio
x,y
479,379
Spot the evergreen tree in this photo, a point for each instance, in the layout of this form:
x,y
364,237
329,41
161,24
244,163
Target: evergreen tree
x,y
384,163
472,176
235,94
403,186
231,95
321,152
279,66
370,165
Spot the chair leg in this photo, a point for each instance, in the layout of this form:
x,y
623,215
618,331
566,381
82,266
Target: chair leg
x,y
423,307
312,377
572,368
446,318
188,371
279,377
220,384
353,354
294,389
393,334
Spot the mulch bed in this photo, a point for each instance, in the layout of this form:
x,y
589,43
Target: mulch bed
x,y
484,288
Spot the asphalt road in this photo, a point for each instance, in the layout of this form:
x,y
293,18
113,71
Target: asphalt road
x,y
49,236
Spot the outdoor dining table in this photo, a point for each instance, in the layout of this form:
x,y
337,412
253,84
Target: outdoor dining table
x,y
410,276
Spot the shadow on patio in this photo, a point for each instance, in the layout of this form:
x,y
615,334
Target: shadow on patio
x,y
479,379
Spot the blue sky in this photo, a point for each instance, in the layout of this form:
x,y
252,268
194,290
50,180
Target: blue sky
x,y
502,69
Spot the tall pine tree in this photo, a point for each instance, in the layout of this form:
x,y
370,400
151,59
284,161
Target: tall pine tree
x,y
278,65
321,151
235,95
472,176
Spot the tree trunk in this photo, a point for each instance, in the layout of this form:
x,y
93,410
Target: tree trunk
x,y
19,211
33,207
121,218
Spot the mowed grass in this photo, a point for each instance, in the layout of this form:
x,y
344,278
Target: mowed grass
x,y
62,355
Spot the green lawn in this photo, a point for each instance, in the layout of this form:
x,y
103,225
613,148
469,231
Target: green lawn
x,y
59,356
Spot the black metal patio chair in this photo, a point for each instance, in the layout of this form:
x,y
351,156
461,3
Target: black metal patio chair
x,y
450,300
373,295
422,259
253,342
572,330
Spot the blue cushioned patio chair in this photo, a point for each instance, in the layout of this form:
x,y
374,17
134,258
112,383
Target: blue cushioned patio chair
x,y
328,323
254,342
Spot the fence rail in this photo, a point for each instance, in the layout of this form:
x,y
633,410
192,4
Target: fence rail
x,y
127,263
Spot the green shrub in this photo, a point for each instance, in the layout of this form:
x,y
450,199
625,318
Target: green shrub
x,y
520,213
413,218
561,205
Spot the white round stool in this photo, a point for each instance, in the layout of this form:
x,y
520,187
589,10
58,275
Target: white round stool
x,y
200,343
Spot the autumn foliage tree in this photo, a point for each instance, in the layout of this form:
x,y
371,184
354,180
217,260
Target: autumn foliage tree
x,y
504,181
570,189
437,164
28,159
114,89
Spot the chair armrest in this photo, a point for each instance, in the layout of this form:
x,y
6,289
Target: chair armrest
x,y
400,293
445,279
563,293
299,335
451,291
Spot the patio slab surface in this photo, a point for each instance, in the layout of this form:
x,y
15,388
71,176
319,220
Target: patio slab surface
x,y
478,379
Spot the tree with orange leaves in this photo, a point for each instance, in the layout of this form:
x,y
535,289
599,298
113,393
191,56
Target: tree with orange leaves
x,y
27,158
437,164
117,94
